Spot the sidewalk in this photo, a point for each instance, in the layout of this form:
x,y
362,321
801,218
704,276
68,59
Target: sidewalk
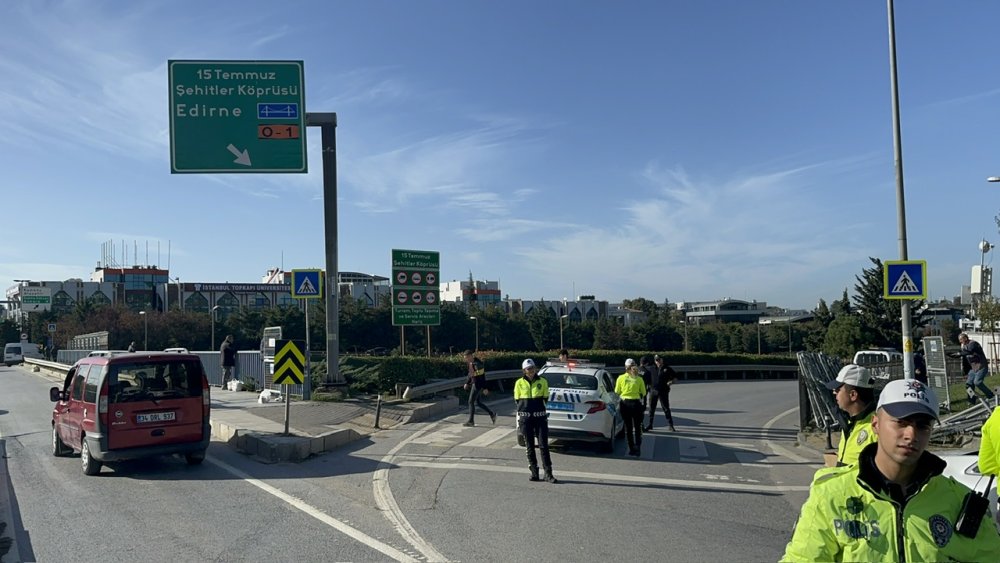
x,y
314,427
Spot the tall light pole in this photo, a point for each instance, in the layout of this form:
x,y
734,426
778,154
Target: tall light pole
x,y
214,309
180,293
561,331
789,336
758,337
685,335
145,331
477,332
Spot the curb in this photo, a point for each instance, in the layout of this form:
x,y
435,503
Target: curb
x,y
270,447
9,550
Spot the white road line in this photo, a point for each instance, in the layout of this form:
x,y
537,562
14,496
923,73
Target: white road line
x,y
386,502
604,477
444,436
490,437
691,449
316,513
648,445
780,450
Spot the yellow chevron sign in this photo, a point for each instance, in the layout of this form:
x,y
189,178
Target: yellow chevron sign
x,y
289,363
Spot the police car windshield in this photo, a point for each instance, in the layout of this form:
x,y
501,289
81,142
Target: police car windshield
x,y
570,380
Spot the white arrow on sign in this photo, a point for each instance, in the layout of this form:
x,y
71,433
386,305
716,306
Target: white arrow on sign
x,y
241,157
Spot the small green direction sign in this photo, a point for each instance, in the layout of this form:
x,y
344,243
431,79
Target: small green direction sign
x,y
416,294
237,116
289,362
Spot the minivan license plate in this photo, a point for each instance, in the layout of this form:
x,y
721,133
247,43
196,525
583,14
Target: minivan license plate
x,y
155,417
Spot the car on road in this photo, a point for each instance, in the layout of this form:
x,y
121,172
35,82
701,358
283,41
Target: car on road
x,y
582,405
964,468
16,352
131,406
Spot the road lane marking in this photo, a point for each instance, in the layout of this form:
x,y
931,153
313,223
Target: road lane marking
x,y
386,502
445,436
691,449
488,438
781,450
648,447
316,513
604,477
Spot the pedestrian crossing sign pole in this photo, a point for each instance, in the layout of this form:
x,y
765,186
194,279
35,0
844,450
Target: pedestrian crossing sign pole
x,y
904,279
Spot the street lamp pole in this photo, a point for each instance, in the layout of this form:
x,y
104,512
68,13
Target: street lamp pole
x,y
685,335
477,332
145,331
214,309
561,331
758,337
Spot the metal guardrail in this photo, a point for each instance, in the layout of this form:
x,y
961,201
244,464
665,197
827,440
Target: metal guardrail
x,y
705,372
248,365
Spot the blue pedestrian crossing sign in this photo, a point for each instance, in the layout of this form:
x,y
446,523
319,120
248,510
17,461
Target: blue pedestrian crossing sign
x,y
904,279
307,284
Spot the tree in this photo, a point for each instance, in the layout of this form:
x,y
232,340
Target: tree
x,y
641,304
841,306
822,314
544,328
843,337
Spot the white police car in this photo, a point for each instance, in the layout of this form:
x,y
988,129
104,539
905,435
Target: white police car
x,y
582,403
964,468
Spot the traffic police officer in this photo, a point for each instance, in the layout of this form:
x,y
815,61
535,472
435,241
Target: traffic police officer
x,y
894,505
632,389
853,389
531,393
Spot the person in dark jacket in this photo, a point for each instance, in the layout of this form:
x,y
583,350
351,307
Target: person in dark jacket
x,y
979,368
663,376
475,384
228,354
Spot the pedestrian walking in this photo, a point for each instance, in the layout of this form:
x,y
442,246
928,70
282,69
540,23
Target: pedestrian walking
x,y
853,390
475,384
894,505
978,368
531,393
131,347
663,377
632,390
564,355
227,353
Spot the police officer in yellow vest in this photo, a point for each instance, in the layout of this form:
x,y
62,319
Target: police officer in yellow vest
x,y
632,390
989,447
894,505
853,389
531,393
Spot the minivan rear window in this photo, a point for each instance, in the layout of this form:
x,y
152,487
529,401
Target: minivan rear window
x,y
142,381
13,350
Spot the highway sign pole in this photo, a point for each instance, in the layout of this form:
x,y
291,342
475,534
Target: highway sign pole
x,y
288,406
327,122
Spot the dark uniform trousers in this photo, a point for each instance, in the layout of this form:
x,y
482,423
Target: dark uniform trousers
x,y
536,425
664,400
632,415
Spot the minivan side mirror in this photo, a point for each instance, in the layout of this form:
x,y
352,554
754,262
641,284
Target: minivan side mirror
x,y
56,395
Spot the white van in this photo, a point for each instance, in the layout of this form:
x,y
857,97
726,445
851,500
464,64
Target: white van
x,y
869,357
15,352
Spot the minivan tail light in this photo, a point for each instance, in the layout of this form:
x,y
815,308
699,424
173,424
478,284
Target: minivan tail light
x,y
102,406
596,406
206,398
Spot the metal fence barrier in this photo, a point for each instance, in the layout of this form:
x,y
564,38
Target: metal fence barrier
x,y
685,372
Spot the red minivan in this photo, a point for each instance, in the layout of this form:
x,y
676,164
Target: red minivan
x,y
132,406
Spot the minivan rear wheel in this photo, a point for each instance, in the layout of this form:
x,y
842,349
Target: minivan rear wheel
x,y
195,458
59,449
90,465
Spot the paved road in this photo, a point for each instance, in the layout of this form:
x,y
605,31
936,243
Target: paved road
x,y
725,487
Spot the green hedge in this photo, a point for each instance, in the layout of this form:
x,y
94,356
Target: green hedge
x,y
372,374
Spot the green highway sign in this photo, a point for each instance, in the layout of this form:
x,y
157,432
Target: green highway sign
x,y
416,294
237,116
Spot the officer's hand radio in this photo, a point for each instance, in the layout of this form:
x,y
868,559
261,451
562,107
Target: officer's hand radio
x,y
974,507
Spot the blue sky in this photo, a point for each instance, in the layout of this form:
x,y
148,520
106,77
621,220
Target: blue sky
x,y
681,150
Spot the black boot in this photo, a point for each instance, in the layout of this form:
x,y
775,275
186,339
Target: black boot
x,y
549,477
534,474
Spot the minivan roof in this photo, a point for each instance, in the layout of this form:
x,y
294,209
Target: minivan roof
x,y
131,357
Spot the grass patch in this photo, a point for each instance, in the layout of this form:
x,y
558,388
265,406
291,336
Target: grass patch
x,y
959,400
